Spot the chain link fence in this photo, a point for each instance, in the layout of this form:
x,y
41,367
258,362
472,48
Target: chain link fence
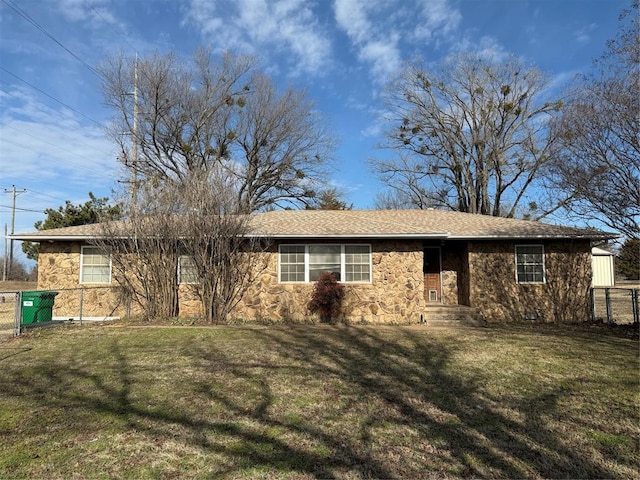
x,y
8,306
20,310
615,305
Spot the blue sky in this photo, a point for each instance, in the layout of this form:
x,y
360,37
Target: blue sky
x,y
341,51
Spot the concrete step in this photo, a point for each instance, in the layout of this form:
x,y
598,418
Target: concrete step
x,y
452,316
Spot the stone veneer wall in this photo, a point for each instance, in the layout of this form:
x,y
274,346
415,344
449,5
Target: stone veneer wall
x,y
393,296
59,270
487,281
564,296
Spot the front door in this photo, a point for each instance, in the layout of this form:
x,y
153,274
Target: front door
x,y
431,269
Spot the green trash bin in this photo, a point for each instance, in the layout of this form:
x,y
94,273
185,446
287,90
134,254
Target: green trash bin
x,y
37,306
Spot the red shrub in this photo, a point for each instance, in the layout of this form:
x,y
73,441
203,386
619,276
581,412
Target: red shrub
x,y
326,298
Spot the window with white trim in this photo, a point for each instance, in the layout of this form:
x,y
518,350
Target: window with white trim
x,y
530,264
95,266
292,263
325,258
357,263
305,263
187,271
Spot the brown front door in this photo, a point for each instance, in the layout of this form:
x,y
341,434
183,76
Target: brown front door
x,y
431,269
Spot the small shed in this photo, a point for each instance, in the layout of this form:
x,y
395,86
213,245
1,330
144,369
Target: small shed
x,y
602,268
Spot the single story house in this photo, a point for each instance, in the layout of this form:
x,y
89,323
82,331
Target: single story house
x,y
396,265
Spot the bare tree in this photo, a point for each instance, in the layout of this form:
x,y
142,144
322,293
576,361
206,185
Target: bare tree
x,y
218,241
393,200
19,270
282,148
185,234
471,135
406,190
175,119
330,199
144,252
598,157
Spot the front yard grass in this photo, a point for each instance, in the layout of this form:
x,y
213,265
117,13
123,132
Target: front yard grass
x,y
318,401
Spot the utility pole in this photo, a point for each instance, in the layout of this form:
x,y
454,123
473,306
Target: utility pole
x,y
4,266
134,173
14,194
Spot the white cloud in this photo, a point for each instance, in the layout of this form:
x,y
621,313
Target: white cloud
x,y
85,11
486,47
439,18
559,82
583,35
380,30
263,27
351,16
375,129
383,55
376,40
47,144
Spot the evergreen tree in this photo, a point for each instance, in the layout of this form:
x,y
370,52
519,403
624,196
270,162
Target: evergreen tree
x,y
70,215
628,264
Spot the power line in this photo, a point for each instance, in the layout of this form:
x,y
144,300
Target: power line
x,y
53,144
40,139
75,167
40,194
92,6
50,96
18,208
46,195
27,17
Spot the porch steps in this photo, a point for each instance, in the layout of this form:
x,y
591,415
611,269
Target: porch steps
x,y
452,316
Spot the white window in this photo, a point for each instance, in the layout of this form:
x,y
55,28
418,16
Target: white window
x,y
357,263
95,266
187,271
305,263
292,263
324,258
530,264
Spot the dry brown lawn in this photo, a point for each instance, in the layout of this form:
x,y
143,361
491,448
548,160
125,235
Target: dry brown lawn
x,y
13,286
303,401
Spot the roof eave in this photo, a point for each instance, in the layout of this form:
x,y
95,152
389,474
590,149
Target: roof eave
x,y
532,237
400,236
53,238
437,236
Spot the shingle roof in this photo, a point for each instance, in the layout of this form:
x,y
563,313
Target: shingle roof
x,y
370,224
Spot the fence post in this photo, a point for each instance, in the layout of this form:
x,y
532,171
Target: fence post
x,y
634,306
607,299
81,303
593,304
17,316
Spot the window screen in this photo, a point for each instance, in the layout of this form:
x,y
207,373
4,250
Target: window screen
x,y
530,263
95,266
292,263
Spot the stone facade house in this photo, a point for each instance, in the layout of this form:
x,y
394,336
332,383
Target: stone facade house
x,y
397,266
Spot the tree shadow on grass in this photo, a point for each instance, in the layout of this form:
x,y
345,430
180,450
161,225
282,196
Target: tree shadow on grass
x,y
324,402
415,379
